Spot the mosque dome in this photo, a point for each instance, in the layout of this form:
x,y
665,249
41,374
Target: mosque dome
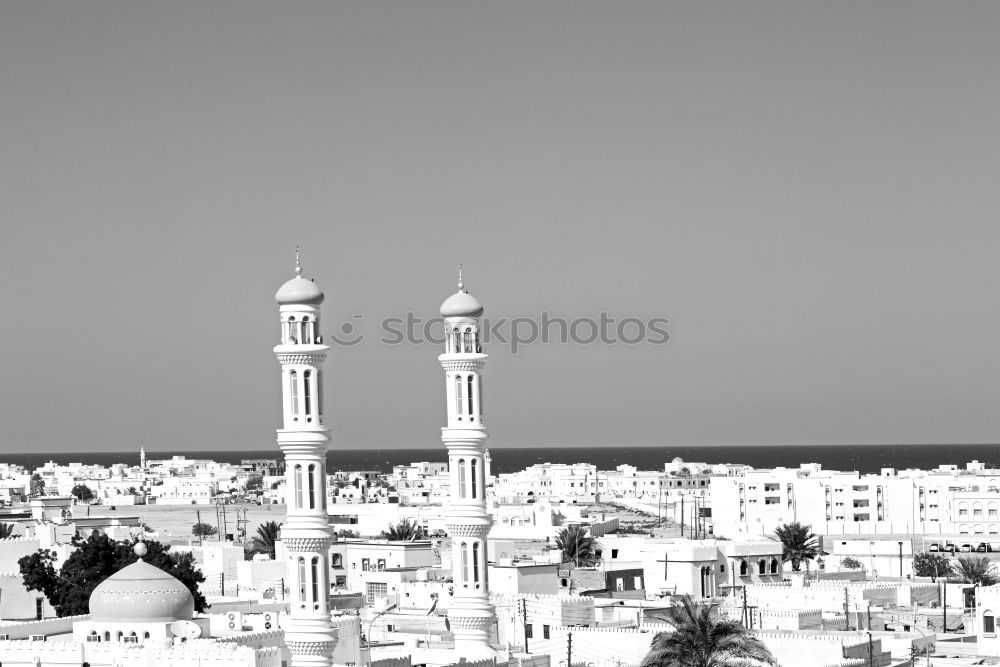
x,y
298,290
141,593
678,460
461,303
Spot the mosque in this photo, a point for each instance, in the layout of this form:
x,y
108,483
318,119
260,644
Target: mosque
x,y
143,615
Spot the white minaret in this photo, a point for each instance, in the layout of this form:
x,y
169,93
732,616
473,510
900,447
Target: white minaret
x,y
142,456
471,615
309,634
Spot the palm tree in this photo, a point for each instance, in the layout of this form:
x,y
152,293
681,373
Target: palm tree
x,y
263,541
6,531
699,640
798,543
577,546
975,570
405,530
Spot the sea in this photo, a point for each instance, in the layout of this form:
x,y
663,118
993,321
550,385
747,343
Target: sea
x,y
862,458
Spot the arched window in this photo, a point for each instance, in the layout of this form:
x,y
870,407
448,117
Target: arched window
x,y
307,391
302,581
774,566
312,486
315,581
292,330
743,568
467,339
474,474
107,636
461,478
145,635
761,567
298,485
470,395
475,562
989,623
120,635
293,390
319,393
465,561
458,396
306,330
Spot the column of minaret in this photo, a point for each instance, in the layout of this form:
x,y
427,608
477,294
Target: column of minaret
x,y
471,615
309,634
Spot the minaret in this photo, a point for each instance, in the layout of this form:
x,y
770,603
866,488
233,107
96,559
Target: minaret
x,y
471,615
142,456
309,634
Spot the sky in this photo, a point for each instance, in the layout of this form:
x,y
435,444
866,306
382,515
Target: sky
x,y
806,191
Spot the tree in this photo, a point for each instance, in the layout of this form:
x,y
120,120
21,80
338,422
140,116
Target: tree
x,y
699,640
6,531
203,530
798,544
849,563
132,491
975,570
931,565
347,532
37,485
404,530
255,482
82,493
577,546
263,541
95,559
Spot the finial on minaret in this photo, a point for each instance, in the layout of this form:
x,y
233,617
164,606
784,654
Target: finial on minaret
x,y
140,549
298,262
461,283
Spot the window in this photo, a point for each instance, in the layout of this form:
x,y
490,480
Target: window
x,y
337,560
312,486
528,631
465,561
293,390
743,568
470,394
38,608
761,567
302,580
381,564
461,478
458,396
774,566
375,591
475,562
614,553
315,581
989,623
545,632
306,392
475,474
365,564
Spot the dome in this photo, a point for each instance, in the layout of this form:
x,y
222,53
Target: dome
x,y
461,304
678,460
298,290
141,593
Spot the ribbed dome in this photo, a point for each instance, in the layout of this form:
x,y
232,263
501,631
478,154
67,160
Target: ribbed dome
x,y
461,304
141,592
298,290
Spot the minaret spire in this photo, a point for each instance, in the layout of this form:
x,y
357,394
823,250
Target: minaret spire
x,y
461,282
298,262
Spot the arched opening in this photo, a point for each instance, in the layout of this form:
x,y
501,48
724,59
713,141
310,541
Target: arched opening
x,y
475,562
307,391
761,567
461,478
458,397
774,566
315,581
297,490
312,486
293,392
474,474
989,623
465,563
302,581
469,381
743,568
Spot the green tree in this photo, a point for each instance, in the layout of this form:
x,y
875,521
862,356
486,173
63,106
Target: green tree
x,y
700,640
6,531
37,485
95,559
82,493
975,570
850,563
203,530
263,541
931,565
255,482
577,546
798,544
404,530
347,532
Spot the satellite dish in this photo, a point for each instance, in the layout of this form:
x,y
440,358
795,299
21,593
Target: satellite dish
x,y
185,629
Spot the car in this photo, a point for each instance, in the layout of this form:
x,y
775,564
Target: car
x,y
966,548
933,547
982,547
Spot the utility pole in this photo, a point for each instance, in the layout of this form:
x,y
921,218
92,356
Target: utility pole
x,y
201,539
218,521
524,621
682,514
744,606
847,612
569,649
944,606
871,654
900,560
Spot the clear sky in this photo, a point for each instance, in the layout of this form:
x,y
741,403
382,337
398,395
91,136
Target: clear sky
x,y
808,191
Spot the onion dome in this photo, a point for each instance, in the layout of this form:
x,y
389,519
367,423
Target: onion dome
x,y
298,290
141,593
461,303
